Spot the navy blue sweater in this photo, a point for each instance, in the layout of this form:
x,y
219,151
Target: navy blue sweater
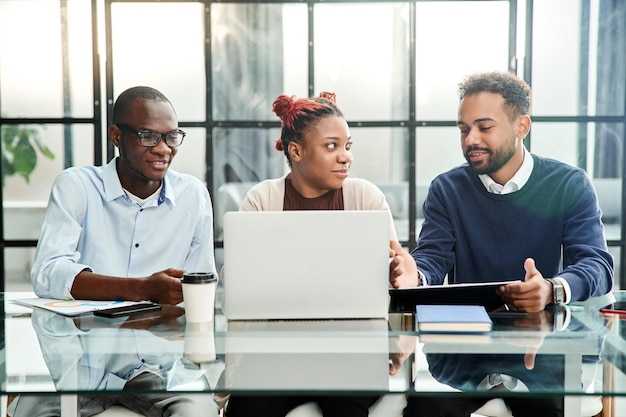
x,y
481,236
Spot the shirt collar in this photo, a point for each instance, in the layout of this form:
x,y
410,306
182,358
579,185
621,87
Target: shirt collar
x,y
113,187
167,192
516,182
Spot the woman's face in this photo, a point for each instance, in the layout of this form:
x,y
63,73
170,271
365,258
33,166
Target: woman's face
x,y
323,163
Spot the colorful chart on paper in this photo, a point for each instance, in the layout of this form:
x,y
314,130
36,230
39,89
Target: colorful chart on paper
x,y
71,307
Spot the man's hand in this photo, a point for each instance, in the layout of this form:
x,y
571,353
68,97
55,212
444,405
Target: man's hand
x,y
164,287
402,267
532,295
161,287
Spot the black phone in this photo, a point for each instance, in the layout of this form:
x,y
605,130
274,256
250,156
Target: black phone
x,y
618,307
112,312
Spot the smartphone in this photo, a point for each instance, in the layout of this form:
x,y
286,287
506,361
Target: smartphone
x,y
618,307
112,312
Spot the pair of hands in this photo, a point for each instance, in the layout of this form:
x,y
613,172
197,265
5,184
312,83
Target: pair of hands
x,y
531,295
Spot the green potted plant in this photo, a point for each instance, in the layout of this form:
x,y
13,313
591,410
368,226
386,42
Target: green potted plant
x,y
20,145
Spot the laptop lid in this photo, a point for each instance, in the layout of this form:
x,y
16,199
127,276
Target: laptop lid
x,y
330,264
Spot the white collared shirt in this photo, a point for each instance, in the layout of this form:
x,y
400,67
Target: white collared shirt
x,y
514,184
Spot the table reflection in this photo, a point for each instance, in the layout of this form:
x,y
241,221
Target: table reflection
x,y
343,367
305,355
103,354
535,367
138,360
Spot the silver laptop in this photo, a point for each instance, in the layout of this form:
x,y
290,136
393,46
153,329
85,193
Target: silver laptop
x,y
331,264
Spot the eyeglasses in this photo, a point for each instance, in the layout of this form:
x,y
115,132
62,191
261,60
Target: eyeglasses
x,y
150,138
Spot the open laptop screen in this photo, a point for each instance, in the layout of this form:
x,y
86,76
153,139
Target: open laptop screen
x,y
306,264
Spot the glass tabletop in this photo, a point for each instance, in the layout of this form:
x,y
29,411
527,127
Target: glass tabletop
x,y
564,351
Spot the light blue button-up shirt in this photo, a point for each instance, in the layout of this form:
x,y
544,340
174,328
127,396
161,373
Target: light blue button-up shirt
x,y
92,224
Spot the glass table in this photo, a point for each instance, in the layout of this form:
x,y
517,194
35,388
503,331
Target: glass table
x,y
577,351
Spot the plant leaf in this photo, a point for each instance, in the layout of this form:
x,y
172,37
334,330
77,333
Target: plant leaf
x,y
20,144
7,167
24,157
45,151
9,135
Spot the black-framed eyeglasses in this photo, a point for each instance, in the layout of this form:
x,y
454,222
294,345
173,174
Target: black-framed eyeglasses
x,y
150,138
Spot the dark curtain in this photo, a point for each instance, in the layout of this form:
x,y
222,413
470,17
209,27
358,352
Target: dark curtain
x,y
611,70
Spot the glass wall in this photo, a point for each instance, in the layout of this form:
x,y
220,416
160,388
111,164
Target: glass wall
x,y
49,115
395,71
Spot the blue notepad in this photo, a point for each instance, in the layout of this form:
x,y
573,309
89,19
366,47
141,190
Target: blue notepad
x,y
452,319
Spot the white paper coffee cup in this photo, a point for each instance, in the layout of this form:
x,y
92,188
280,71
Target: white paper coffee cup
x,y
199,296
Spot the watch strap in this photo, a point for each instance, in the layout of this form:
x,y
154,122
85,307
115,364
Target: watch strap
x,y
558,291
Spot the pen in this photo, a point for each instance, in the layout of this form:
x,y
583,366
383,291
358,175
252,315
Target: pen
x,y
507,312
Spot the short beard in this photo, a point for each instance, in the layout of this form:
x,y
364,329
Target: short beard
x,y
496,159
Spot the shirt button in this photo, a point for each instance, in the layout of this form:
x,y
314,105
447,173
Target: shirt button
x,y
136,245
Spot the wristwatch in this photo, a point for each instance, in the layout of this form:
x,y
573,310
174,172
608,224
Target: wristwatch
x,y
558,292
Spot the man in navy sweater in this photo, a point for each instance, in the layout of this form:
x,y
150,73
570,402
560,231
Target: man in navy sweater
x,y
508,215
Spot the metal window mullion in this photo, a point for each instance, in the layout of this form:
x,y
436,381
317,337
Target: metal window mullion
x,y
311,47
208,117
412,126
110,153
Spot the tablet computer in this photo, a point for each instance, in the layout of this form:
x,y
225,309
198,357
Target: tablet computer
x,y
113,312
481,293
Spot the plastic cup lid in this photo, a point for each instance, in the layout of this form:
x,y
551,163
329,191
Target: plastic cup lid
x,y
198,277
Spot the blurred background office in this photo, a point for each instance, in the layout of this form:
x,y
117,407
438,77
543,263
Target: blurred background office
x,y
394,66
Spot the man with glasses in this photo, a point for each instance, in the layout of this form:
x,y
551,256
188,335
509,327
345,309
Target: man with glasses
x,y
127,231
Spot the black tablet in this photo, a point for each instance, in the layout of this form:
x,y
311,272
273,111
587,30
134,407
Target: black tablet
x,y
483,293
113,312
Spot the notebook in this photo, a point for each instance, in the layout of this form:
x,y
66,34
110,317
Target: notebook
x,y
452,319
304,355
330,264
